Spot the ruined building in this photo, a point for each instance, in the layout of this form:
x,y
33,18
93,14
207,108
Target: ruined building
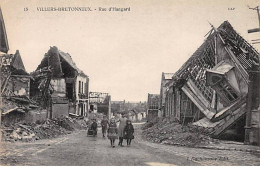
x,y
218,86
153,103
15,80
16,104
166,77
61,85
99,103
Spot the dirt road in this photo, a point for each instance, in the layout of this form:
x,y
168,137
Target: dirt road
x,y
78,149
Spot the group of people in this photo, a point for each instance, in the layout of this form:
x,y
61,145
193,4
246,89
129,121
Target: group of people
x,y
125,130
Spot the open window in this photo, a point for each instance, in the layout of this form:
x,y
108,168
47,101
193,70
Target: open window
x,y
222,78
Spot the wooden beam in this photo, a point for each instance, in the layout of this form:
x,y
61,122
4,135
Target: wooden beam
x,y
229,120
10,110
254,30
197,102
195,90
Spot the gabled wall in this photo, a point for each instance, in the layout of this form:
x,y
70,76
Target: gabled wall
x,y
4,47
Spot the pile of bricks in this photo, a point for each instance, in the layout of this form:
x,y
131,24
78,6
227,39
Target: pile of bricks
x,y
49,129
176,134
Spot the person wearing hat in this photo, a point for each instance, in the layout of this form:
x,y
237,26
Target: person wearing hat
x,y
104,124
129,132
112,132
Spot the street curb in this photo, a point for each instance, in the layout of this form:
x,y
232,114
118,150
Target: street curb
x,y
214,148
205,147
229,149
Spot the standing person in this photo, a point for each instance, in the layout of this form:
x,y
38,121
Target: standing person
x,y
129,132
104,124
112,132
94,127
121,130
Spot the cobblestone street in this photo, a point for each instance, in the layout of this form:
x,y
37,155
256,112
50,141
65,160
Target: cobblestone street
x,y
78,149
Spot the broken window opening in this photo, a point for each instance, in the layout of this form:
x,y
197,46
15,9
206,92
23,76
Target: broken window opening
x,y
69,91
92,107
68,71
227,91
79,87
82,87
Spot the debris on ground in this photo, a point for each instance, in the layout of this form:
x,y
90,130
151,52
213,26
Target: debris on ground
x,y
50,128
161,131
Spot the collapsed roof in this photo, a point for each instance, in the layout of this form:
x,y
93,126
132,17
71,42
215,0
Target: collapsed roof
x,y
15,63
192,76
61,63
204,57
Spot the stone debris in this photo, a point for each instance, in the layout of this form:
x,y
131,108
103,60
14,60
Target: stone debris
x,y
161,131
48,129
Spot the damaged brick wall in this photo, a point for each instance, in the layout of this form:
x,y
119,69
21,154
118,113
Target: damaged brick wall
x,y
20,85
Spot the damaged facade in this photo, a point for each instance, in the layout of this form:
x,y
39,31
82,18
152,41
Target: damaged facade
x,y
55,89
16,104
15,89
62,83
212,89
153,102
15,79
99,103
166,77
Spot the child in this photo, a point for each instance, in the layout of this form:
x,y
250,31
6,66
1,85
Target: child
x,y
112,132
129,132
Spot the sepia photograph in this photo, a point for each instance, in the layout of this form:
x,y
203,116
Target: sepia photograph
x,y
129,83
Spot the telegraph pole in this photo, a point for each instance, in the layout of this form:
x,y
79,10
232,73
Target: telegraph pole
x,y
252,128
258,14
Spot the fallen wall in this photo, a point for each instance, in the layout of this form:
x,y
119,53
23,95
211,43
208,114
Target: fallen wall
x,y
60,110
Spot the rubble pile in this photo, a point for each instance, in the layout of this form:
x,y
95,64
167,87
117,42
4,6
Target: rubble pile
x,y
19,103
51,128
72,124
151,123
175,134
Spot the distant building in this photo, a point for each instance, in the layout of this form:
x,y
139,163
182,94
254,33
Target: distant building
x,y
117,106
99,103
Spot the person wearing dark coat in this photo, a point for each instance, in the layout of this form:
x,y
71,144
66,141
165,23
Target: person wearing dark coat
x,y
129,132
104,124
112,132
94,127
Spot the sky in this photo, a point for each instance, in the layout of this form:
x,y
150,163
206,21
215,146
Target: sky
x,y
123,53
